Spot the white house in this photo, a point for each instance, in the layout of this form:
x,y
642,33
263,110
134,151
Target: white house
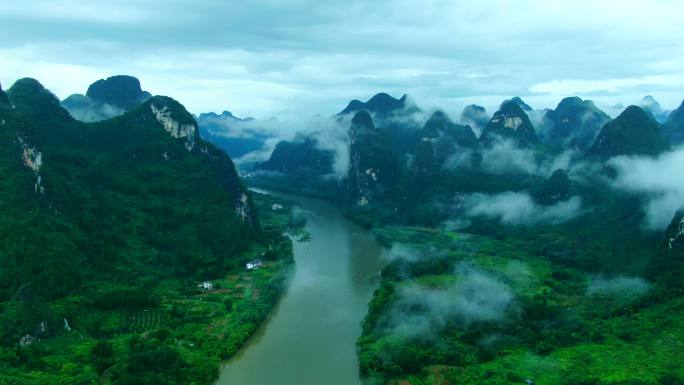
x,y
206,285
255,264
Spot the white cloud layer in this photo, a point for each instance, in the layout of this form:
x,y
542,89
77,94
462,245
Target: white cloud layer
x,y
265,58
660,179
514,208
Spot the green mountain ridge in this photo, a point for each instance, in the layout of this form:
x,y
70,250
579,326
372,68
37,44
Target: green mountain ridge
x,y
633,132
108,224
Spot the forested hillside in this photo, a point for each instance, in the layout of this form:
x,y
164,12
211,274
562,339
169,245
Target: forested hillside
x,y
534,253
107,230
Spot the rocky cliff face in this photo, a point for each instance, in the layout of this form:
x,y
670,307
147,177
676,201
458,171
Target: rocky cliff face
x,y
511,123
373,167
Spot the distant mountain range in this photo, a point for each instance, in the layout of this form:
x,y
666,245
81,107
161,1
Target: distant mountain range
x,y
235,136
383,105
106,98
573,124
651,105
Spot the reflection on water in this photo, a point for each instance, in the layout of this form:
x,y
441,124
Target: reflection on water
x,y
309,340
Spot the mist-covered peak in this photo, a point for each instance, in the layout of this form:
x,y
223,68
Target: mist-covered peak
x,y
120,90
106,98
574,122
673,129
556,188
450,134
517,100
298,156
362,119
435,123
381,104
475,116
650,104
633,132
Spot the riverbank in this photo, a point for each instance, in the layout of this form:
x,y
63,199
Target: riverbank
x,y
187,327
311,336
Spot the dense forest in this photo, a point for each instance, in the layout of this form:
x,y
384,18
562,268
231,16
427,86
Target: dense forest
x,y
124,245
516,254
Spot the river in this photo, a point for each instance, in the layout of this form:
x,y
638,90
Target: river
x,y
310,337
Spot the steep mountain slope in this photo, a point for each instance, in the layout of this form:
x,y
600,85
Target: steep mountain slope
x,y
104,221
634,132
106,98
510,122
373,167
673,129
575,122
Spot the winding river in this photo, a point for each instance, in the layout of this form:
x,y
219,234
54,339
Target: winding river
x,y
310,337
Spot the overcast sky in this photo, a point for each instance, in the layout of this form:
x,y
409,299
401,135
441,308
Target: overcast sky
x,y
288,58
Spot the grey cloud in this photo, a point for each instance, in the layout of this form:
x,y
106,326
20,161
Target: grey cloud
x,y
266,58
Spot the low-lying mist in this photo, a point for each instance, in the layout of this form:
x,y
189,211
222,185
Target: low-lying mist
x,y
475,296
660,180
518,208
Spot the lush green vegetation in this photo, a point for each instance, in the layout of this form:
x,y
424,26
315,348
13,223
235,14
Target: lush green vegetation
x,y
106,231
561,326
590,297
